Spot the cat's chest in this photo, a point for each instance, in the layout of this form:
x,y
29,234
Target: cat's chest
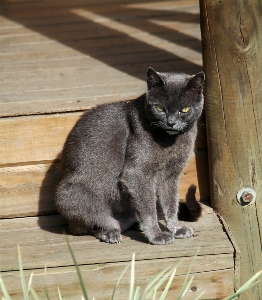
x,y
168,155
174,156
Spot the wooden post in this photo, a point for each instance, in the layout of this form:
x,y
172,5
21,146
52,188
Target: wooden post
x,y
232,57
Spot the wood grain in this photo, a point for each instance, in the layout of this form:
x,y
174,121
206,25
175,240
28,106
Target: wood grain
x,y
59,58
42,242
29,190
215,283
232,39
41,138
51,59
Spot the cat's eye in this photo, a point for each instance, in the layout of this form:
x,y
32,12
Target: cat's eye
x,y
160,108
185,109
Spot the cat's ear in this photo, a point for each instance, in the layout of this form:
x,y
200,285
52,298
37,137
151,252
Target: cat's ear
x,y
153,79
197,82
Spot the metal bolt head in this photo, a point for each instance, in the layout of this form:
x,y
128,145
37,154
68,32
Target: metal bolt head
x,y
247,197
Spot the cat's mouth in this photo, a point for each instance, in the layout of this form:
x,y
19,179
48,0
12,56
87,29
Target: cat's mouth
x,y
168,129
172,131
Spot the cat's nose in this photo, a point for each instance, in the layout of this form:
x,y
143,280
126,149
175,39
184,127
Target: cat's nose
x,y
171,122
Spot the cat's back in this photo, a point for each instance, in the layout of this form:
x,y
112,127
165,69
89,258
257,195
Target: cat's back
x,y
99,138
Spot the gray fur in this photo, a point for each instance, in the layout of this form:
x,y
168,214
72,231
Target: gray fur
x,y
122,161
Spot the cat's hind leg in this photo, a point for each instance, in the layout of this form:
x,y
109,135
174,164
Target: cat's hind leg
x,y
85,212
112,236
91,213
77,228
119,224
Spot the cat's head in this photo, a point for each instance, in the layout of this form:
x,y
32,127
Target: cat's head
x,y
174,101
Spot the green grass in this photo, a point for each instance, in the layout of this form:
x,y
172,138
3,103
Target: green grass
x,y
161,280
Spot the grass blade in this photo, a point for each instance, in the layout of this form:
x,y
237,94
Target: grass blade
x,y
34,294
183,290
118,281
80,278
22,276
132,278
154,294
59,294
4,290
199,296
163,296
136,297
187,285
46,289
251,282
158,281
153,281
30,282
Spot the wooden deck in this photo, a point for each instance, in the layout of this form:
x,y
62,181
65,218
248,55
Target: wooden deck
x,y
42,243
57,59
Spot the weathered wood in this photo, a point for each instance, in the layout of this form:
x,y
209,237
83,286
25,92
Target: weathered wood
x,y
67,56
90,52
29,190
42,242
25,10
41,138
232,41
214,283
34,138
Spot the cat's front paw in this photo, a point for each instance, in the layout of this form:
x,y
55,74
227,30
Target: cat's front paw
x,y
162,238
110,236
183,232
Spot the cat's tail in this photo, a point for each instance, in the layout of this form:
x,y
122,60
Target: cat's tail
x,y
190,210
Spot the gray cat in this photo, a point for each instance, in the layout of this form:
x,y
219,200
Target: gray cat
x,y
122,161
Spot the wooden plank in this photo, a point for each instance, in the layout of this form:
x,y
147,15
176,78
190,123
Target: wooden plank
x,y
141,55
38,138
234,116
64,100
75,67
25,9
66,81
42,242
67,29
101,278
77,31
12,37
29,190
129,50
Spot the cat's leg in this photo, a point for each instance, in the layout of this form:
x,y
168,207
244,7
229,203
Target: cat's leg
x,y
111,236
85,213
78,228
169,201
141,193
120,223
